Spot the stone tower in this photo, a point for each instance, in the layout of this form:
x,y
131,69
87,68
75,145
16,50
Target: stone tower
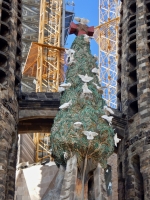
x,y
10,76
134,99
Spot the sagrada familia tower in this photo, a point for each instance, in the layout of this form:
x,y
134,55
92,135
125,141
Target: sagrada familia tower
x,y
133,99
133,108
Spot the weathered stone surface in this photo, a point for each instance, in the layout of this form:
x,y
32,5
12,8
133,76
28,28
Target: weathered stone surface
x,y
133,64
69,182
55,188
10,75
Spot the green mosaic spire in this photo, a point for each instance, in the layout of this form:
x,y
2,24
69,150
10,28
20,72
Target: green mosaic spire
x,y
84,108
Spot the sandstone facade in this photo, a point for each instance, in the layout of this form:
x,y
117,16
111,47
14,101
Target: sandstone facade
x,y
133,100
10,75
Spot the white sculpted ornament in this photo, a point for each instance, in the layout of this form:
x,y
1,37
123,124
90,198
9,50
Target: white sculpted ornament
x,y
70,56
95,70
108,118
86,89
116,139
85,78
50,151
65,85
99,88
66,156
108,111
95,56
90,135
66,105
61,89
82,20
77,125
87,38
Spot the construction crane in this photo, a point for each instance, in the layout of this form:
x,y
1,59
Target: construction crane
x,y
106,35
46,57
50,55
45,60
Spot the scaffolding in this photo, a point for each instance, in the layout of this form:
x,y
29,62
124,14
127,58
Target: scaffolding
x,y
30,25
50,55
106,35
45,59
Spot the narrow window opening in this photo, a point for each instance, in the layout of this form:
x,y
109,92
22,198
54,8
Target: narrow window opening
x,y
139,185
132,30
132,7
132,61
133,108
133,91
121,183
2,76
133,76
5,15
132,37
132,47
108,180
132,24
148,7
132,18
91,188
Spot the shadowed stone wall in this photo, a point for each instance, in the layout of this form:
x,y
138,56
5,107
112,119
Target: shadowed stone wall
x,y
134,100
10,75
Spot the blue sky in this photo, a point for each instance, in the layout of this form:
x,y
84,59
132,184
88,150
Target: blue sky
x,y
85,9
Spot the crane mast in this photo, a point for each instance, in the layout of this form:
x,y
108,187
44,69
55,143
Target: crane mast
x,y
50,55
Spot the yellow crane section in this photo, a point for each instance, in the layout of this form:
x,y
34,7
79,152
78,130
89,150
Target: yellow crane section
x,y
45,59
50,59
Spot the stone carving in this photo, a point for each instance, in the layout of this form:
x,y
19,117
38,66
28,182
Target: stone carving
x,y
65,85
138,137
79,131
70,56
78,125
99,88
61,89
116,139
108,118
108,111
85,78
86,89
90,135
95,70
6,105
82,20
66,105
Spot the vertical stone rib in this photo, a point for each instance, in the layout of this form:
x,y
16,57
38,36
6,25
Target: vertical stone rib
x,y
69,182
99,183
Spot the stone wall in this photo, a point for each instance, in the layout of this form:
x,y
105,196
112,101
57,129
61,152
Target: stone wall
x,y
26,149
112,161
10,75
32,183
133,100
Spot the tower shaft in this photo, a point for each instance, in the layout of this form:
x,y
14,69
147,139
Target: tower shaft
x,y
133,99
